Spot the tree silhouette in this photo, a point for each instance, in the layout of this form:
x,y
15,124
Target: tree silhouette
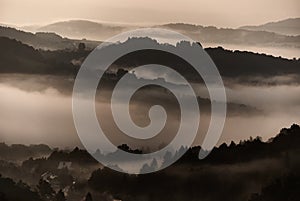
x,y
11,191
2,197
60,196
81,47
88,197
45,190
146,168
285,188
167,159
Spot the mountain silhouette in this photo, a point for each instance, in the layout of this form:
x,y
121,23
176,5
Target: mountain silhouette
x,y
289,26
211,34
12,191
19,152
17,57
43,40
233,172
236,66
81,29
251,170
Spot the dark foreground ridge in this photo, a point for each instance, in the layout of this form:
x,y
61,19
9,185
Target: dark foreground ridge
x,y
252,170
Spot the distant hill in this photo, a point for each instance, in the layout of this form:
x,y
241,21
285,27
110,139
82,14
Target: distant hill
x,y
213,34
19,152
81,29
43,40
286,141
287,27
242,66
17,57
76,156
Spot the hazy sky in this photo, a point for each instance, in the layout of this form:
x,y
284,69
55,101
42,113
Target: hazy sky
x,y
221,13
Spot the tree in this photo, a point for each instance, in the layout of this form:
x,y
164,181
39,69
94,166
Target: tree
x,y
60,196
88,197
45,190
9,190
81,47
2,197
146,168
167,159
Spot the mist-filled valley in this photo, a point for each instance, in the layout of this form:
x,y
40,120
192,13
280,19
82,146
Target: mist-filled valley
x,y
46,71
39,98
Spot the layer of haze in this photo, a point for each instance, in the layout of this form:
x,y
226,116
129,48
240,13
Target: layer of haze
x,y
33,117
224,13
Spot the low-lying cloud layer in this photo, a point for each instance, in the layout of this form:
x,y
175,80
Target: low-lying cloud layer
x,y
36,107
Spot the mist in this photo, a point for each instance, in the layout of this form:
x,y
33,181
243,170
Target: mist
x,y
44,115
